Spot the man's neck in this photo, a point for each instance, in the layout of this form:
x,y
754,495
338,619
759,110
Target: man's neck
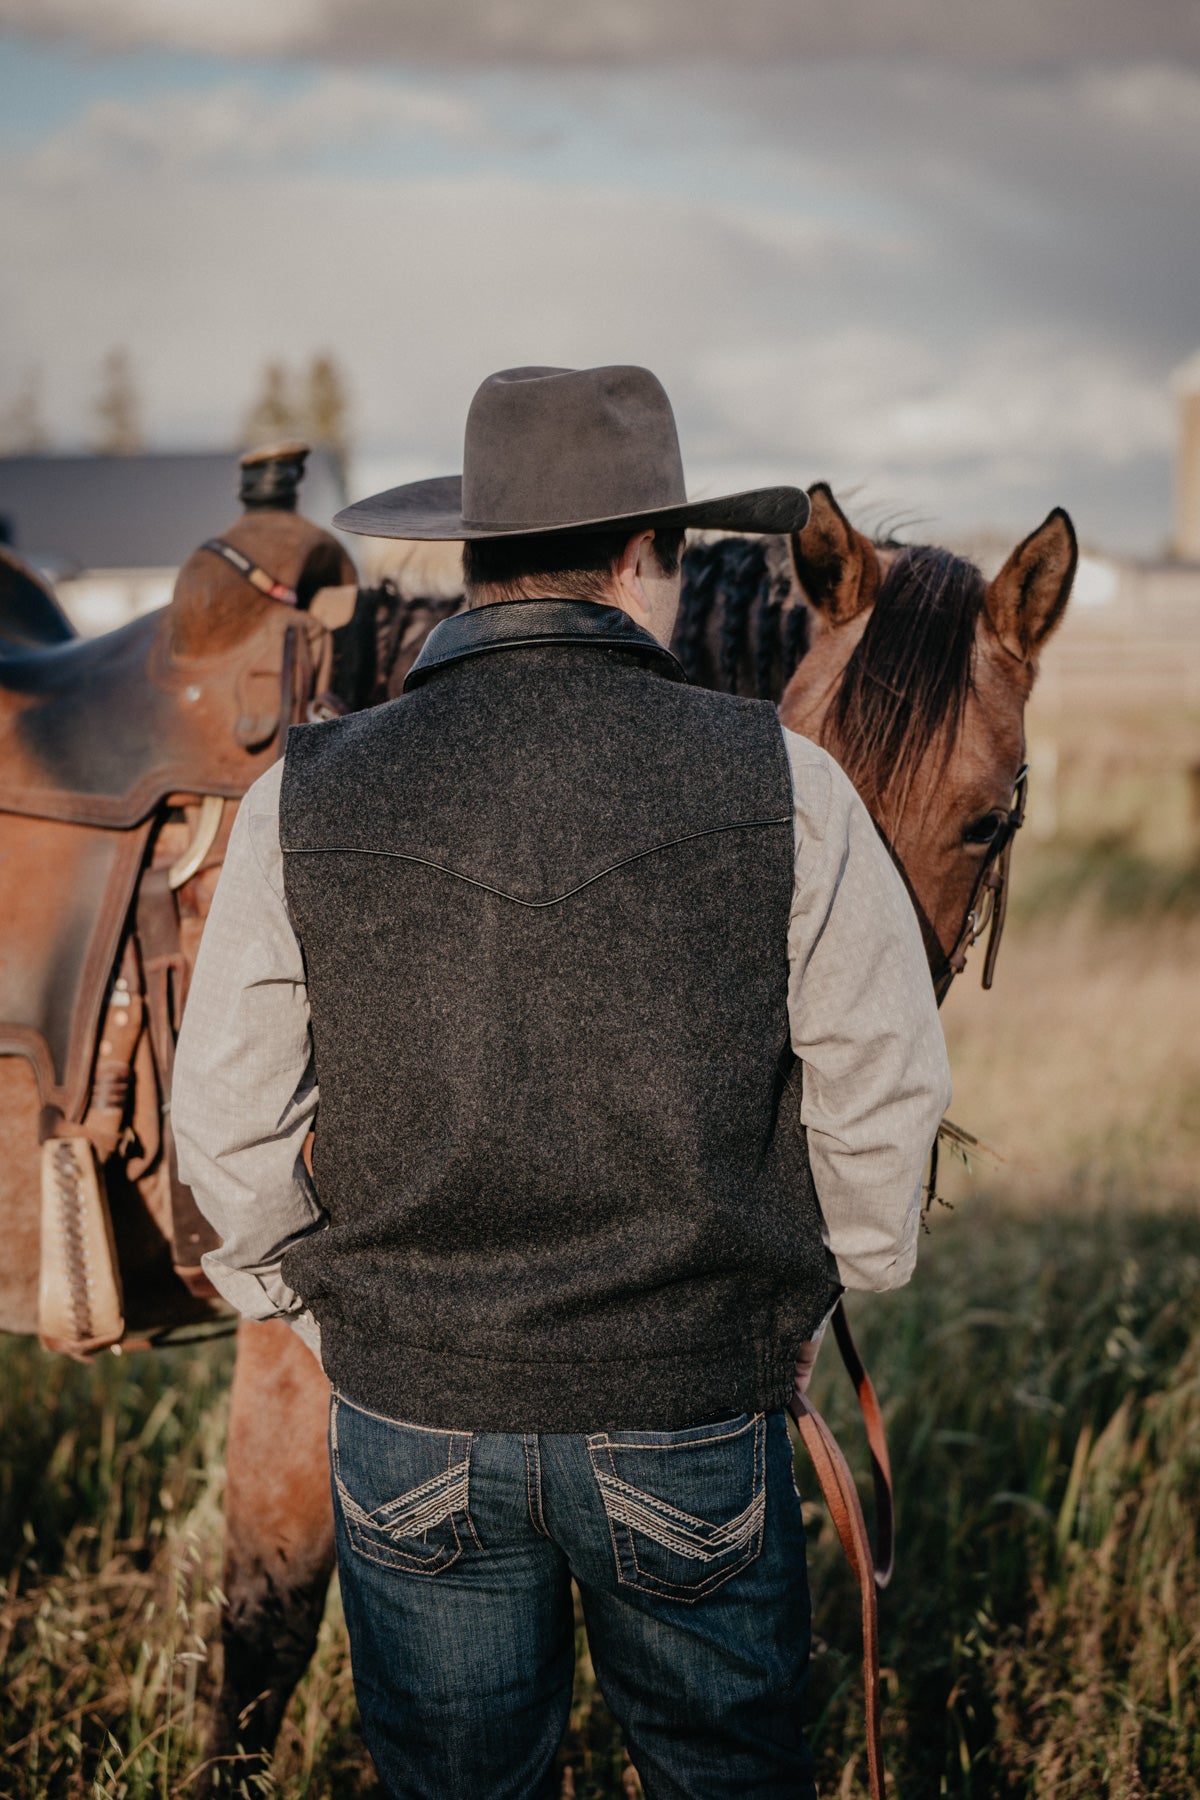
x,y
609,595
497,595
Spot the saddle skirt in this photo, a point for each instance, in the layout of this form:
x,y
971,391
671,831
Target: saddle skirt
x,y
98,731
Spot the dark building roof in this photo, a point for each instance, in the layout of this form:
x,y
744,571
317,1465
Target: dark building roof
x,y
68,513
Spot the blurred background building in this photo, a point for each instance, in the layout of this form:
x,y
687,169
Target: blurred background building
x,y
109,532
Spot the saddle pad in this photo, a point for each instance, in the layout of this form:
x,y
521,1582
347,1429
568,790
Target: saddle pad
x,y
98,731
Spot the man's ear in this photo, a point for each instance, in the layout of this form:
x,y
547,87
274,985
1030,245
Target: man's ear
x,y
836,566
1029,595
627,577
635,557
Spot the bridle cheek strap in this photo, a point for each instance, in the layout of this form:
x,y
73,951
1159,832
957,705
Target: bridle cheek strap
x,y
988,907
251,572
999,911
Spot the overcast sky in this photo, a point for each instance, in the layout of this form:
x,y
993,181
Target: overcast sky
x,y
949,268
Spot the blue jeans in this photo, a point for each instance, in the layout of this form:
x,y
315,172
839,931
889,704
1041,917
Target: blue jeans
x,y
456,1551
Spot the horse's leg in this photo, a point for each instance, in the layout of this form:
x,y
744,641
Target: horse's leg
x,y
278,1544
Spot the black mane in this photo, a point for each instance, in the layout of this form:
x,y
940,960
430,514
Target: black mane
x,y
742,630
907,680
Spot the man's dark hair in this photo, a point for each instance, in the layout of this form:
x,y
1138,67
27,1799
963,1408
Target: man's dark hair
x,y
575,564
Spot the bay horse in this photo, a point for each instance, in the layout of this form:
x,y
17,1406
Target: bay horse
x,y
915,674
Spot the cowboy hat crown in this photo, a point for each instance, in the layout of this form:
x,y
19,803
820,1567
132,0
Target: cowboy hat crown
x,y
567,450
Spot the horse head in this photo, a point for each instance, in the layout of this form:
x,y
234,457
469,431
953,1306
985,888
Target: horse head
x,y
915,678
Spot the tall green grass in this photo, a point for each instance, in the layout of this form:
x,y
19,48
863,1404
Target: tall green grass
x,y
1044,1416
1042,1382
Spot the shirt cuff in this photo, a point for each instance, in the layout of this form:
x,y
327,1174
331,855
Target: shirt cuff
x,y
308,1331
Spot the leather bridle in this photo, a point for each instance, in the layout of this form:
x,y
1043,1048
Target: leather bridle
x,y
988,905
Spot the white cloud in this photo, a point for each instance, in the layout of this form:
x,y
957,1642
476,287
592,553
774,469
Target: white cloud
x,y
232,27
206,232
953,434
1159,99
1032,397
1186,378
234,128
900,298
1019,32
420,284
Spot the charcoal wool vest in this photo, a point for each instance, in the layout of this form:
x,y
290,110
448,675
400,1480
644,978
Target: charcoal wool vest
x,y
543,901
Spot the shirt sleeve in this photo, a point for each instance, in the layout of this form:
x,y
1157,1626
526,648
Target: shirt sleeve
x,y
864,1022
244,1095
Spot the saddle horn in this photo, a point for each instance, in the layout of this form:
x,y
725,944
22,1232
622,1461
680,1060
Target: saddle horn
x,y
271,475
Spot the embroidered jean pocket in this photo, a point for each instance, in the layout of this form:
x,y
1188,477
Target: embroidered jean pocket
x,y
686,1508
403,1490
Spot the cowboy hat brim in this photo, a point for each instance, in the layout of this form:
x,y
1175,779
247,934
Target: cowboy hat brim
x,y
433,509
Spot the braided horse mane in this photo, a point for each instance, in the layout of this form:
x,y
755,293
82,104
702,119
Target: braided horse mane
x,y
743,628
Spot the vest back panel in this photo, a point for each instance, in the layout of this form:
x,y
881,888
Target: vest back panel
x,y
543,903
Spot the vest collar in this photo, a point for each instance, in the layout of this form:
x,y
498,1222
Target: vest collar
x,y
518,624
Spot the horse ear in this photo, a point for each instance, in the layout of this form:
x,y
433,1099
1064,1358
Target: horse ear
x,y
835,565
1029,595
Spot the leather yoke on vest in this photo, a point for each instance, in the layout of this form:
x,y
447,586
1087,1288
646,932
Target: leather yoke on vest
x,y
543,901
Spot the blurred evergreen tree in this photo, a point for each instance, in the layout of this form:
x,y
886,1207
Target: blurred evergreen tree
x,y
328,405
117,410
22,427
274,414
315,407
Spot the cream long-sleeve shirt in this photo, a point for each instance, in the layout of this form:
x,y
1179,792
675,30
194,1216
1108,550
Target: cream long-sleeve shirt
x,y
861,1011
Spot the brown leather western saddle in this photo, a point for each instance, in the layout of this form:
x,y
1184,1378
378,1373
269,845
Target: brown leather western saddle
x,y
119,757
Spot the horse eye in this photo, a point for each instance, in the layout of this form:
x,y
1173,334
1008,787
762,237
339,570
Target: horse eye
x,y
983,830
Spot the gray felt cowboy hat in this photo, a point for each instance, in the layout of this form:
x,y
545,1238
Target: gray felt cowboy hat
x,y
567,450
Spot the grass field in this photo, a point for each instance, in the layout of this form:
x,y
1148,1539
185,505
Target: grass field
x,y
1042,1383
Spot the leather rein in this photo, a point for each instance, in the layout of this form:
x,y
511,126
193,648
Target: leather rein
x,y
872,1569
